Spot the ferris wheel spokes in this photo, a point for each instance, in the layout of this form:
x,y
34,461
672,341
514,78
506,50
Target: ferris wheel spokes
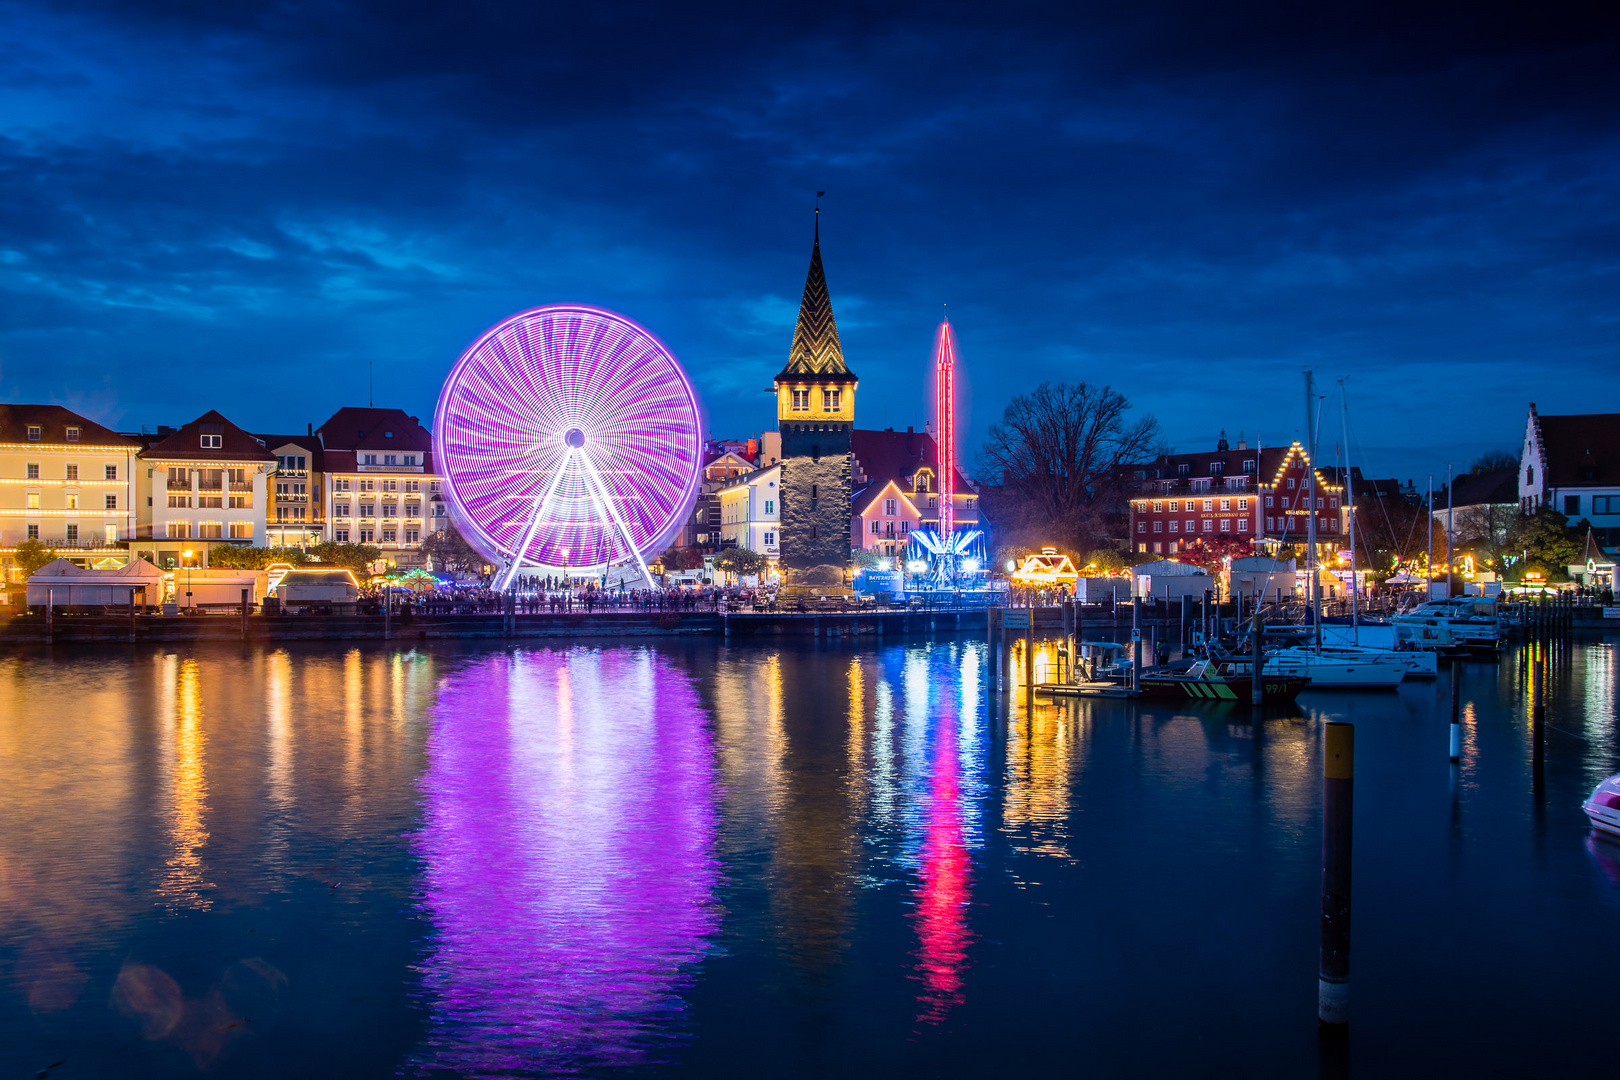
x,y
606,504
534,523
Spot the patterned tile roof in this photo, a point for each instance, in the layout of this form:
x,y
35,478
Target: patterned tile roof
x,y
816,350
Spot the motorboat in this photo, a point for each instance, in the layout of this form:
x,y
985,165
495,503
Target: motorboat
x,y
1462,622
1603,808
1424,662
1207,681
1374,669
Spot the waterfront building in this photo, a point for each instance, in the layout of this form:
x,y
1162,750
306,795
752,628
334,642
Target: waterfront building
x,y
896,480
1254,495
1572,464
723,462
295,515
379,485
64,481
1479,506
751,512
199,487
815,412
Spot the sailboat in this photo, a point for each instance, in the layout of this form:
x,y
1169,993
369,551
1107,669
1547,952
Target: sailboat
x,y
1355,665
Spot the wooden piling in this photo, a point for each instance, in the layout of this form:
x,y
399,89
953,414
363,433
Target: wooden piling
x,y
244,614
1338,801
1257,688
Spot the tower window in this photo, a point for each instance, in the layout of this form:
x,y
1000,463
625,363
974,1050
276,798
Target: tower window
x,y
801,401
830,400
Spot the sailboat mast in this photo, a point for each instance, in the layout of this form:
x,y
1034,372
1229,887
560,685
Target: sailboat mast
x,y
1350,495
1310,520
1428,571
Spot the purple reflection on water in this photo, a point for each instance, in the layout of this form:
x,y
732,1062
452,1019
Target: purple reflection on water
x,y
570,814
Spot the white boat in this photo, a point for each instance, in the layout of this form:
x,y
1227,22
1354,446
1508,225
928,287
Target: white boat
x,y
1415,661
1603,808
1373,670
1462,622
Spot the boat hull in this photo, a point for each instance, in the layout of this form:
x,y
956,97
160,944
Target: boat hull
x,y
1228,688
1603,808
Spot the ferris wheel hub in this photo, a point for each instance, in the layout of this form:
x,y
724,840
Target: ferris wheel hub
x,y
574,437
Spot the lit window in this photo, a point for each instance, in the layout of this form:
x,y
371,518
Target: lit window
x,y
71,500
33,500
241,530
1141,526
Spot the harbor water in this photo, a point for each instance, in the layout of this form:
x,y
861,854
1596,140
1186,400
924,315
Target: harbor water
x,y
684,858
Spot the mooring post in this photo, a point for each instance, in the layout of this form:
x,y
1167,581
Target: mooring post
x,y
1257,685
1136,637
50,605
1338,792
388,604
132,613
1456,710
244,612
1538,704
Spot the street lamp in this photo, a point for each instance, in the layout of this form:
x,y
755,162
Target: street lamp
x,y
186,555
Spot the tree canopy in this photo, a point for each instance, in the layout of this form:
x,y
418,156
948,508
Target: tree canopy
x,y
31,555
450,551
1054,460
1546,543
740,561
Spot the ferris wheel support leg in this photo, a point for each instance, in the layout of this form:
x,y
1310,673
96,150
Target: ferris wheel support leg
x,y
534,525
600,492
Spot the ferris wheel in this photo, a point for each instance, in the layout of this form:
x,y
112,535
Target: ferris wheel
x,y
568,437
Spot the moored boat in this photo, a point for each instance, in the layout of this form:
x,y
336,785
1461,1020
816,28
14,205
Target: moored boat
x,y
1203,682
1603,807
1339,669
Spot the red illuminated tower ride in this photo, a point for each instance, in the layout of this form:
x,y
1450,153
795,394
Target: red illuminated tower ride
x,y
945,428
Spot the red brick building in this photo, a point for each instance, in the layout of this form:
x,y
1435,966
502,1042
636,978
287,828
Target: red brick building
x,y
1258,495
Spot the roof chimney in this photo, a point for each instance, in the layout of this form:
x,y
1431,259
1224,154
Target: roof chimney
x,y
311,428
910,430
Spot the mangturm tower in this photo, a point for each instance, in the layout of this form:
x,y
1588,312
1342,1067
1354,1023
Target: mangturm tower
x,y
815,412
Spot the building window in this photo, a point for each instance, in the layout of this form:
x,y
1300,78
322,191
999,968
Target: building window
x,y
1141,526
112,535
33,532
112,472
1157,506
1290,483
365,536
1157,548
770,539
801,401
888,507
410,459
368,509
1226,524
1175,506
241,530
1606,504
32,501
390,485
211,502
340,509
830,400
1175,526
340,484
388,536
390,510
179,530
1248,466
1243,524
1226,504
111,502
412,485
73,474
1209,506
1216,468
33,433
412,536
341,535
33,470
390,459
1572,505
1243,504
1183,470
1333,503
1158,526
368,485
877,526
212,442
1270,501
1209,524
1271,524
210,530
72,534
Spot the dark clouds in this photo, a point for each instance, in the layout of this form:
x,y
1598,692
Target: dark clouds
x,y
240,206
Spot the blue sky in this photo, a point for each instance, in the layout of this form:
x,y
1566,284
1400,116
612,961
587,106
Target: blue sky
x,y
242,206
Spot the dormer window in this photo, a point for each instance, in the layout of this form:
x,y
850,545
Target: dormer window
x,y
1216,468
410,459
72,434
1183,469
388,434
212,442
1248,466
33,432
390,459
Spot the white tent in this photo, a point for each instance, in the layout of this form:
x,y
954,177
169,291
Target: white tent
x,y
67,584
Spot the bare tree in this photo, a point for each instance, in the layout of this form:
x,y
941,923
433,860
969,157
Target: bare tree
x,y
1056,456
1492,460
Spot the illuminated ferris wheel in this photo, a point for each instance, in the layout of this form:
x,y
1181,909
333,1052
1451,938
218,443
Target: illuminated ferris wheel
x,y
568,437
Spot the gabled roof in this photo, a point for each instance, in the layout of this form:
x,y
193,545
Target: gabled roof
x,y
186,444
1479,489
1594,552
356,428
53,421
1580,449
863,499
748,478
816,350
897,455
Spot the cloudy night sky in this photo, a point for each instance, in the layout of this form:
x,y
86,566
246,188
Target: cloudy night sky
x,y
240,206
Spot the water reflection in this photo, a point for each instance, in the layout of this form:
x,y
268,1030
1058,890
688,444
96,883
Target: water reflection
x,y
569,824
182,740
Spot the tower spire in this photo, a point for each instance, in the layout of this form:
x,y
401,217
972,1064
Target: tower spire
x,y
816,349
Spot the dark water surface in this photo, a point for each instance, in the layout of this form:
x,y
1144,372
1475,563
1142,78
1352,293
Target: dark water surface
x,y
699,860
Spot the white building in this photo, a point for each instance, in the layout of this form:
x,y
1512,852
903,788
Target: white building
x,y
64,481
750,512
380,487
199,487
1572,464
